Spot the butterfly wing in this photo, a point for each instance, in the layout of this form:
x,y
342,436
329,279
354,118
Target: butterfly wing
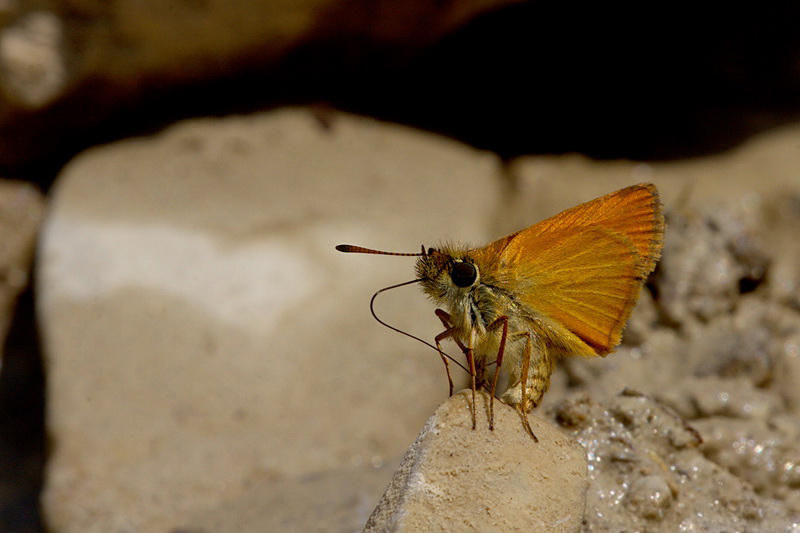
x,y
579,273
633,211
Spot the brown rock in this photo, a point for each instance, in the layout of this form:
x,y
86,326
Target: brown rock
x,y
21,212
55,62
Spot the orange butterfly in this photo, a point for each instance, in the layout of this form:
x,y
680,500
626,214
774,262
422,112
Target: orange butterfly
x,y
564,286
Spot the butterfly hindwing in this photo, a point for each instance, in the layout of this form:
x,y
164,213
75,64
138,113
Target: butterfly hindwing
x,y
586,280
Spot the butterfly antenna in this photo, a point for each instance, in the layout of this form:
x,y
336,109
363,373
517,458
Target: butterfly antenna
x,y
352,249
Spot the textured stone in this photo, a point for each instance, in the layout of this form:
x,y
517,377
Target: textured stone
x,y
648,472
456,478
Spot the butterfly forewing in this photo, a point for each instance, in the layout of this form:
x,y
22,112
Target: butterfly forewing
x,y
584,268
633,211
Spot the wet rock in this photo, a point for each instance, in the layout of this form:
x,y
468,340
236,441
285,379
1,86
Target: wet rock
x,y
647,472
764,452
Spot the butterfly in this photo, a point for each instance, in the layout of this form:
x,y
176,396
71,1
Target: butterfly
x,y
563,287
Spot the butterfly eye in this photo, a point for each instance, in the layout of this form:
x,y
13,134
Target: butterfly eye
x,y
463,274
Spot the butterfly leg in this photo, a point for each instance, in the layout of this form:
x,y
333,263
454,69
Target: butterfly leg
x,y
472,373
501,321
439,338
523,407
468,351
445,318
448,332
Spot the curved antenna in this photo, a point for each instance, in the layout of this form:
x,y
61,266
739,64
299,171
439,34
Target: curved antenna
x,y
375,316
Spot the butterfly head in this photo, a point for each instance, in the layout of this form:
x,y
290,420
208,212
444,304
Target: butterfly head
x,y
447,274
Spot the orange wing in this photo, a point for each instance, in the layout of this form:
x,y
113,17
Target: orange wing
x,y
633,211
584,268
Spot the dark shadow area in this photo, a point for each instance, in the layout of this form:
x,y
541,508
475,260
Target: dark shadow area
x,y
654,84
658,83
22,439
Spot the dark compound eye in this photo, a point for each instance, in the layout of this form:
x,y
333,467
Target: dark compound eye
x,y
463,274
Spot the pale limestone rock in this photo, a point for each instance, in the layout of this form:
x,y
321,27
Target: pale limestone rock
x,y
200,330
454,478
333,500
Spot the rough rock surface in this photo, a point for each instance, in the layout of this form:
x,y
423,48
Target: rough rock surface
x,y
715,347
457,478
648,473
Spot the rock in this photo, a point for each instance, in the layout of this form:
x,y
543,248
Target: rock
x,y
647,472
457,478
22,438
32,56
21,213
709,256
333,500
200,329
